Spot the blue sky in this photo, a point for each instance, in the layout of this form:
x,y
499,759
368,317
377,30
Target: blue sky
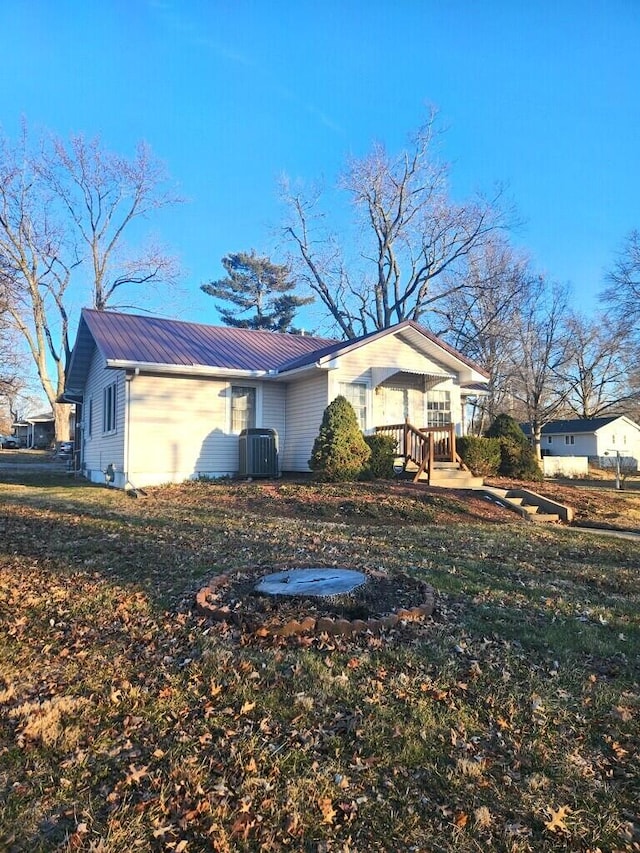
x,y
542,96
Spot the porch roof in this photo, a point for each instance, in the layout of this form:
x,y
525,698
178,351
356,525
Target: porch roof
x,y
381,374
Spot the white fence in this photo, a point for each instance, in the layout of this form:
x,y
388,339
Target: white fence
x,y
565,466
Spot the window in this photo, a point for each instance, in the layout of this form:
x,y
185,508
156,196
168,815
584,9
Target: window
x,y
89,418
243,408
549,439
356,394
109,408
569,439
438,405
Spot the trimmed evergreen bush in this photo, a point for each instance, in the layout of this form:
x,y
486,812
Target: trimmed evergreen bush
x,y
517,456
383,454
480,455
339,451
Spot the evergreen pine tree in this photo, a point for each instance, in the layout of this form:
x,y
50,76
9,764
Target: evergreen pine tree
x,y
254,283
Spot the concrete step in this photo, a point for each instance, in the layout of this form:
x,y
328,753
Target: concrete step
x,y
544,518
530,505
457,482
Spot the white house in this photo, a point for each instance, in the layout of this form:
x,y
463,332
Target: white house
x,y
598,439
164,400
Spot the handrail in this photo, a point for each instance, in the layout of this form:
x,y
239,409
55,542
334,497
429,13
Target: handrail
x,y
423,446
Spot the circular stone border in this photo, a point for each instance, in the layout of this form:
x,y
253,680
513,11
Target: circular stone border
x,y
310,624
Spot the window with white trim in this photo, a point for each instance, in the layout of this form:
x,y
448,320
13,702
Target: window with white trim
x,y
89,418
569,439
109,398
438,408
549,439
243,408
356,394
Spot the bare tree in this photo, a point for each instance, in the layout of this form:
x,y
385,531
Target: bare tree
x,y
596,370
622,295
540,357
63,216
102,194
410,233
10,380
481,318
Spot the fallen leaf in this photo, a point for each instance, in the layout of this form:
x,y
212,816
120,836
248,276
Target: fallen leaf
x,y
135,775
326,807
622,713
248,706
557,818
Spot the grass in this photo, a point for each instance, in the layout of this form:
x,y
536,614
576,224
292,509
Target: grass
x,y
509,721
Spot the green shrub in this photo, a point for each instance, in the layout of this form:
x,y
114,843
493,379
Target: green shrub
x,y
383,454
339,451
517,456
480,455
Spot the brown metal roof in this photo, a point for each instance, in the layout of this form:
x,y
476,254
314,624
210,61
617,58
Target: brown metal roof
x,y
150,340
131,339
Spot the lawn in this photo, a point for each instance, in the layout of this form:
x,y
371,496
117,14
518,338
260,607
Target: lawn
x,y
508,721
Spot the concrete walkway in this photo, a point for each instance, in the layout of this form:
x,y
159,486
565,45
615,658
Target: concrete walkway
x,y
616,534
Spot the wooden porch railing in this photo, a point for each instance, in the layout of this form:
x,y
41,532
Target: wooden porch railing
x,y
424,446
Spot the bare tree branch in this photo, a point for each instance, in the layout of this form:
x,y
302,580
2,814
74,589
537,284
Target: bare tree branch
x,y
410,233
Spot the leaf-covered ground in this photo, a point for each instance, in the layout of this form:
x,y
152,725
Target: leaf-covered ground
x,y
509,721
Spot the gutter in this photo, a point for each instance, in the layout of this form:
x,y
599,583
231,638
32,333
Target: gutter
x,y
185,369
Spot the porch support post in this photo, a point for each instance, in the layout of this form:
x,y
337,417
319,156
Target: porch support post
x,y
452,442
431,451
406,440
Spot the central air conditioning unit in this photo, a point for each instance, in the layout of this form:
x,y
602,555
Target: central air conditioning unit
x,y
258,453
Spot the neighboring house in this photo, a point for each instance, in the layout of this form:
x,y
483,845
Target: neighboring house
x,y
38,432
163,400
596,438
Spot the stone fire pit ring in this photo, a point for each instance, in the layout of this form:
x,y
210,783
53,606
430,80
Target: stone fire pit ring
x,y
314,601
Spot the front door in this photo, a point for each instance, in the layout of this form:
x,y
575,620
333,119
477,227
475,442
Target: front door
x,y
395,405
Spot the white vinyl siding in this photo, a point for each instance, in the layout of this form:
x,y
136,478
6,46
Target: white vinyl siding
x,y
274,399
100,449
188,420
306,401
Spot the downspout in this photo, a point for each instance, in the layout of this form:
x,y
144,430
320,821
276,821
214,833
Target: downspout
x,y
127,424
